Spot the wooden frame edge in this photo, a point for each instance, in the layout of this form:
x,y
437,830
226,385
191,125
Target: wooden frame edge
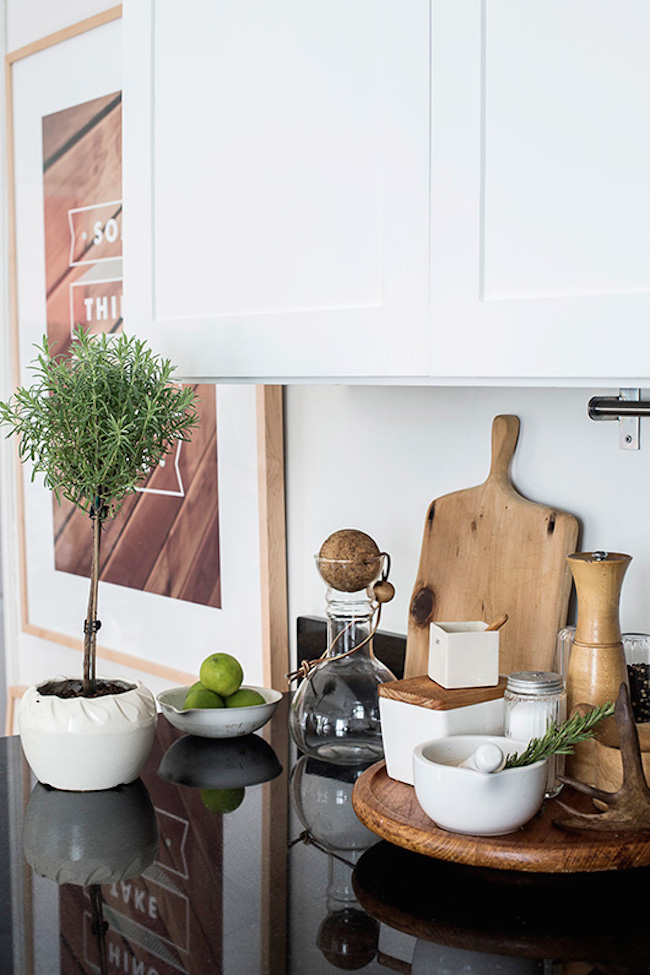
x,y
80,27
273,536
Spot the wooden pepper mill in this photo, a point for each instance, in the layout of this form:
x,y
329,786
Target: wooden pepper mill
x,y
597,666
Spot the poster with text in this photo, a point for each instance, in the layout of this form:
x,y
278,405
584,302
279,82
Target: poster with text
x,y
166,538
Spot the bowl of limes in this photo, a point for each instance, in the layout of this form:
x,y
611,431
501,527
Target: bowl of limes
x,y
219,704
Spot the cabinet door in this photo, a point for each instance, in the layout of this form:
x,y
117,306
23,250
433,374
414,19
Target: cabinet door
x,y
541,188
276,185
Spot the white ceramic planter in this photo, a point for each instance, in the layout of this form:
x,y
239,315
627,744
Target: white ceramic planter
x,y
85,744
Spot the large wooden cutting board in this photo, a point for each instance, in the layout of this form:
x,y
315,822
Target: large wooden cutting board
x,y
486,551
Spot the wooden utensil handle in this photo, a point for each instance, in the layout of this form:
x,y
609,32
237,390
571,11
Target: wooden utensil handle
x,y
505,433
497,623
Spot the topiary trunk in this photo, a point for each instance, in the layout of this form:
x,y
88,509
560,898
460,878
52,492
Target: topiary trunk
x,y
92,624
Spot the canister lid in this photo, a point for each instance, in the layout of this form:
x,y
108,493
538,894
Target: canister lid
x,y
535,682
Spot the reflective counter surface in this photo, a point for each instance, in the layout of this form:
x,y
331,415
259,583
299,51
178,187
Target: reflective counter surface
x,y
242,857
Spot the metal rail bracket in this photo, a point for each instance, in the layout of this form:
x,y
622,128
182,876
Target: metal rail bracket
x,y
627,408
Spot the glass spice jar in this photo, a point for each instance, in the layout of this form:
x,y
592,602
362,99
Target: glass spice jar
x,y
565,639
636,647
533,700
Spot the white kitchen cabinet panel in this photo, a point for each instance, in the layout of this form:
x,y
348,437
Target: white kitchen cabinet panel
x,y
540,188
276,185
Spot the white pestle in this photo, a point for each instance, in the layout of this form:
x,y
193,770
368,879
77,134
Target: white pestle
x,y
487,758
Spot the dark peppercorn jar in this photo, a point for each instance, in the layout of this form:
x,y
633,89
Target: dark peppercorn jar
x,y
636,647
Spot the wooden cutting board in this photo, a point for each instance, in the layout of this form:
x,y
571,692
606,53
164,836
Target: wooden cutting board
x,y
486,551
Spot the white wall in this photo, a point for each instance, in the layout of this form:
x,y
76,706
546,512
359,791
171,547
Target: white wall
x,y
374,458
29,20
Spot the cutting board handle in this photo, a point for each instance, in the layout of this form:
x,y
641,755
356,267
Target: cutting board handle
x,y
505,433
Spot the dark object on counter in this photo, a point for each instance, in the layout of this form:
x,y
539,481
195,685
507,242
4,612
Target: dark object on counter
x,y
627,809
311,633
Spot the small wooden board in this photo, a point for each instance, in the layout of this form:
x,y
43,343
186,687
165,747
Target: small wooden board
x,y
425,693
487,551
391,810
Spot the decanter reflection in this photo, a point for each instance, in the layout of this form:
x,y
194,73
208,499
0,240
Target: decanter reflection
x,y
322,797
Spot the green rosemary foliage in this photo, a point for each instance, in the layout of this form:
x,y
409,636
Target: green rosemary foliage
x,y
560,739
97,421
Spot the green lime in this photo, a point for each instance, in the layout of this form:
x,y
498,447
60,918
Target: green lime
x,y
222,800
243,698
222,673
199,696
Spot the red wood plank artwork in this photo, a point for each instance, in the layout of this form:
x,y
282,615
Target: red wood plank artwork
x,y
166,538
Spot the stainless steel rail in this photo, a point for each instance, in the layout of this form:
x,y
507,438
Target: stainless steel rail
x,y
613,408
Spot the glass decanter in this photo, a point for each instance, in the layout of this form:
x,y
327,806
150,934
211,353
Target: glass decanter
x,y
335,711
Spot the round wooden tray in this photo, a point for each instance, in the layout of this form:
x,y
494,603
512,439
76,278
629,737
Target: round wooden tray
x,y
391,810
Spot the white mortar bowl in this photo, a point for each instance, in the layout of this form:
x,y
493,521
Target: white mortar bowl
x,y
478,803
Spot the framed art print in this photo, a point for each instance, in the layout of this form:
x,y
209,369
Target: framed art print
x,y
195,562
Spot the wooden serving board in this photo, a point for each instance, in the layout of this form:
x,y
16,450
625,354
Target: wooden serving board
x,y
391,810
486,551
425,693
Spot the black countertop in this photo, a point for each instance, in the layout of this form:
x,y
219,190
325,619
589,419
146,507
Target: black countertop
x,y
159,880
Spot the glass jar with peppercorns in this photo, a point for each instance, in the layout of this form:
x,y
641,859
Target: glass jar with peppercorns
x,y
636,647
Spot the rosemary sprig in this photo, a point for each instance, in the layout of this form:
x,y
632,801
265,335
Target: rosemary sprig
x,y
559,739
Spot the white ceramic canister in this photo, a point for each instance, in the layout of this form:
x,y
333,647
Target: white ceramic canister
x,y
533,700
406,725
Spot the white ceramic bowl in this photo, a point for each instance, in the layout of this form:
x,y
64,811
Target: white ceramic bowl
x,y
218,722
478,803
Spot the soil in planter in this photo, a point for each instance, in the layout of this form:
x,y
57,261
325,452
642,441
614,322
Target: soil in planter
x,y
67,688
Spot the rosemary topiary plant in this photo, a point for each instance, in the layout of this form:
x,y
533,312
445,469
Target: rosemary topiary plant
x,y
94,424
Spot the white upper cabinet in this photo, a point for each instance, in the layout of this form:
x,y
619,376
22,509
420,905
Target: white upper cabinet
x,y
276,185
454,189
540,188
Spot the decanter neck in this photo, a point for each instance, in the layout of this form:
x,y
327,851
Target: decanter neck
x,y
349,621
